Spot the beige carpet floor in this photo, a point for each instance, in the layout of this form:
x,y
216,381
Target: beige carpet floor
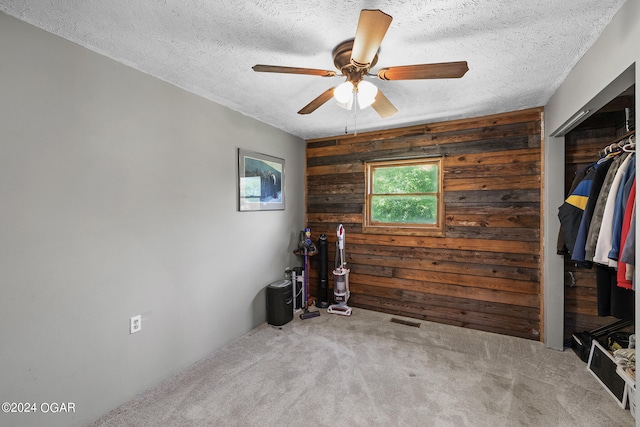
x,y
366,370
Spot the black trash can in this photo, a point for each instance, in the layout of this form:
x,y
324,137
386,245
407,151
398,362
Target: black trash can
x,y
279,303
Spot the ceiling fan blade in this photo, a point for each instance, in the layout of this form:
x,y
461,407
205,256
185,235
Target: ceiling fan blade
x,y
443,70
383,106
313,105
372,27
292,70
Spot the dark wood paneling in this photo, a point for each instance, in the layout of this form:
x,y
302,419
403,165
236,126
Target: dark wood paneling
x,y
484,273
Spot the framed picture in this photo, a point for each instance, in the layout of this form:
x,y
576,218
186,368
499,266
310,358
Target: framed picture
x,y
260,182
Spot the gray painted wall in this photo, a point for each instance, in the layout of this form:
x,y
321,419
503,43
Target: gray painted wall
x,y
117,198
596,74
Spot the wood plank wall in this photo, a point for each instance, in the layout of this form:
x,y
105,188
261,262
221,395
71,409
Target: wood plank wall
x,y
485,272
580,301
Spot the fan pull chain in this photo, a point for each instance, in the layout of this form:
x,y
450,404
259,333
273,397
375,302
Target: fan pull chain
x,y
355,112
346,121
354,104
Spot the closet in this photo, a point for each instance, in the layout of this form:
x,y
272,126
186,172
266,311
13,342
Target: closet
x,y
605,140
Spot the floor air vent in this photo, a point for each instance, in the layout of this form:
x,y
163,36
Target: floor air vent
x,y
405,322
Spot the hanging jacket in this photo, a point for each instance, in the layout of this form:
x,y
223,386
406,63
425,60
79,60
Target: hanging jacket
x,y
578,254
621,204
578,177
570,212
623,281
628,255
605,236
598,211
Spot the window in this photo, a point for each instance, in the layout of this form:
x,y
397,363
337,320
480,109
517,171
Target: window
x,y
404,197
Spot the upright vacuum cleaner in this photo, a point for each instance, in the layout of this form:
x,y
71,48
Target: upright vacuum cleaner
x,y
340,279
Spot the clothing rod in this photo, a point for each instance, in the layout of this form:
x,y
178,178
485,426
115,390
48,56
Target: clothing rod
x,y
626,135
612,145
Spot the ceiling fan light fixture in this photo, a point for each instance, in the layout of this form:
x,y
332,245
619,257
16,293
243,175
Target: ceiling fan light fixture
x,y
366,94
343,93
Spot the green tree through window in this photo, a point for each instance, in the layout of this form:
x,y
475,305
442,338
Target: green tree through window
x,y
404,194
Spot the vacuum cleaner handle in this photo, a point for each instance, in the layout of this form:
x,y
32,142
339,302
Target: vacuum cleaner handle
x,y
340,233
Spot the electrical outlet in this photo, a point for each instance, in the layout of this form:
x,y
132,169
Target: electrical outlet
x,y
135,324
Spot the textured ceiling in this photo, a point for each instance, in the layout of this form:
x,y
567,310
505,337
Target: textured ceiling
x,y
518,51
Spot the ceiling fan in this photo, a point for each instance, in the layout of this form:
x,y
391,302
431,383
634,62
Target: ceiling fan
x,y
354,58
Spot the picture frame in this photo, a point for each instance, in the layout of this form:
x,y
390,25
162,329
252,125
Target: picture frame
x,y
261,182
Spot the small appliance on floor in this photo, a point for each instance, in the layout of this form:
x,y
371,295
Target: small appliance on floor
x,y
307,248
279,303
340,279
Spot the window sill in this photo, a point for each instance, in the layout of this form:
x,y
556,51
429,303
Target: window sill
x,y
403,231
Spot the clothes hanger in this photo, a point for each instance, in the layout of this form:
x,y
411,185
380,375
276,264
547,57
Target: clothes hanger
x,y
630,145
616,144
